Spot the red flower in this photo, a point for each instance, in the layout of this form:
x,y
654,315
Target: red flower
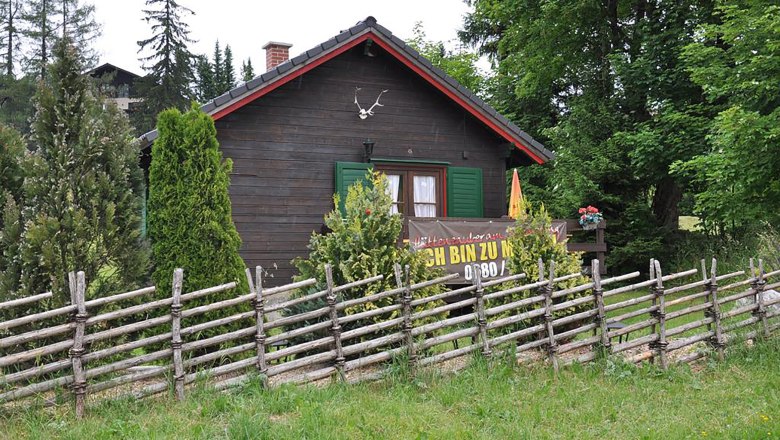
x,y
368,212
582,210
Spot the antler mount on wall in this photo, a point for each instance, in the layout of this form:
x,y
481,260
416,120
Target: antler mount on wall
x,y
363,113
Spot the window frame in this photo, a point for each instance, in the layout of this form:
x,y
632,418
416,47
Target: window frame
x,y
406,193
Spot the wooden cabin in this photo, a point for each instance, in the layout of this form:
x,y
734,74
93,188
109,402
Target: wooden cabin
x,y
300,132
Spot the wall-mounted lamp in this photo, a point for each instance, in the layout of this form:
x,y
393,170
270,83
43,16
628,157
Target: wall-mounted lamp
x,y
368,150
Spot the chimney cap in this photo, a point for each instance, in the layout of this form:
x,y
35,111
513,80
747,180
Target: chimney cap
x,y
276,43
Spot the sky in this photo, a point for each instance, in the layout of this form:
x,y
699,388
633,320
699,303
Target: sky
x,y
248,24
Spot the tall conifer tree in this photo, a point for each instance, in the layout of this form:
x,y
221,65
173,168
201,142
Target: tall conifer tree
x,y
167,60
82,199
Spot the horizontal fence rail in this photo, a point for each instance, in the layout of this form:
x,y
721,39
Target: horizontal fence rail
x,y
314,330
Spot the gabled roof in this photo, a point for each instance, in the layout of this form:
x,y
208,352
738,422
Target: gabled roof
x,y
365,30
106,67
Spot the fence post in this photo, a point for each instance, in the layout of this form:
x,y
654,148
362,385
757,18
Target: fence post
x,y
758,289
552,346
598,298
481,318
79,387
335,327
259,304
178,365
707,298
716,341
660,344
411,351
655,297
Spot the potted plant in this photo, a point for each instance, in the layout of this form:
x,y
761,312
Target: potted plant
x,y
590,218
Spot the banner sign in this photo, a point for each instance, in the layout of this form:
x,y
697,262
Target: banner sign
x,y
456,245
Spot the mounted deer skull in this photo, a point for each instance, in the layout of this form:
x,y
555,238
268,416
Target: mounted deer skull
x,y
363,113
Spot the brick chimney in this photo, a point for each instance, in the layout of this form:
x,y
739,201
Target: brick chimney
x,y
276,53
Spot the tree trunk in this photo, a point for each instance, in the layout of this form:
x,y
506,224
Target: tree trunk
x,y
666,203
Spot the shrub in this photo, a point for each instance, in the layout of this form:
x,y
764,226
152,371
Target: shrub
x,y
190,222
362,244
531,239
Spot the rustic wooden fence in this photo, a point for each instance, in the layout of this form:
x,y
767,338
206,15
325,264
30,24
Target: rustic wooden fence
x,y
152,355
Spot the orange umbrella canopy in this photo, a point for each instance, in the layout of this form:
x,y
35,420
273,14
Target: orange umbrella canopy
x,y
515,197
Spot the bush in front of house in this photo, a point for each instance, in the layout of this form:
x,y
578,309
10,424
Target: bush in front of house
x,y
531,238
189,212
80,205
362,244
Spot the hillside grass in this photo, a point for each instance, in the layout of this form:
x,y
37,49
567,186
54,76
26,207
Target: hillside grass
x,y
739,398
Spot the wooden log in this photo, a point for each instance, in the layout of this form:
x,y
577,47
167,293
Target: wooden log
x,y
688,310
438,325
514,336
443,309
79,385
650,282
407,325
71,308
297,332
689,326
525,287
130,378
299,348
220,354
353,349
312,376
703,283
660,344
579,344
321,294
259,305
129,362
633,314
574,318
688,298
552,345
288,287
516,304
36,388
369,313
717,341
737,296
684,342
176,342
601,312
617,348
750,308
335,328
25,300
515,318
366,361
274,370
588,286
377,296
373,328
449,337
758,287
480,315
576,331
218,339
294,319
452,354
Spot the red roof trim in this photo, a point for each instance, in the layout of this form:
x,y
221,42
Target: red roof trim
x,y
406,61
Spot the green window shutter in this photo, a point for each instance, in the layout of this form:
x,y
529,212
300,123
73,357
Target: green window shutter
x,y
347,173
464,192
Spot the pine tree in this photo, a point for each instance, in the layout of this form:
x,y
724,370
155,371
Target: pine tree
x,y
10,11
228,71
83,186
247,71
47,21
77,22
190,221
169,64
218,69
12,148
205,82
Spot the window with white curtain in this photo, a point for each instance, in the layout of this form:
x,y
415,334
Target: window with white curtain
x,y
393,189
424,196
416,190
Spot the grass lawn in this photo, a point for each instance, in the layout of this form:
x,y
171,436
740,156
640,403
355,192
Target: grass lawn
x,y
739,398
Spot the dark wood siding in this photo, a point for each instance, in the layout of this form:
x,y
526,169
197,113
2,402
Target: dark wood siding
x,y
284,147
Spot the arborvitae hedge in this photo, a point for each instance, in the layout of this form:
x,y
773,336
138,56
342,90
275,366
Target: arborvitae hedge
x,y
189,214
